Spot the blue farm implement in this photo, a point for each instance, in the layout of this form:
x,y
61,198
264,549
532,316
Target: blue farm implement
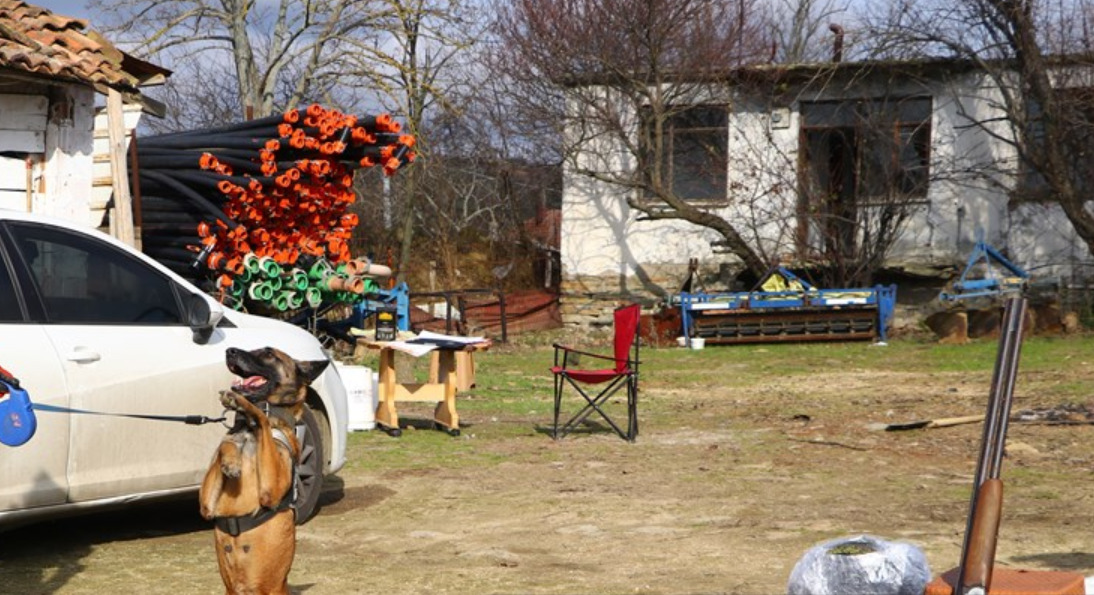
x,y
784,307
985,261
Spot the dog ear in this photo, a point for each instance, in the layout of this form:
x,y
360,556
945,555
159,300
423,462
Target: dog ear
x,y
311,370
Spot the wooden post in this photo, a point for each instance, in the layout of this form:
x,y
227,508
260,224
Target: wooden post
x,y
123,209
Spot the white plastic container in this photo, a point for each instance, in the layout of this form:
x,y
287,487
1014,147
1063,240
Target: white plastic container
x,y
362,391
698,342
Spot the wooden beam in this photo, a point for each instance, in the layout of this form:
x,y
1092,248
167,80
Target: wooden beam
x,y
123,209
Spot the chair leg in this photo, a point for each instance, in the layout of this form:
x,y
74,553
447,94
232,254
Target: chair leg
x,y
558,405
594,404
632,408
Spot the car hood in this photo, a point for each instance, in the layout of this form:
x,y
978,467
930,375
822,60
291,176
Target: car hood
x,y
293,340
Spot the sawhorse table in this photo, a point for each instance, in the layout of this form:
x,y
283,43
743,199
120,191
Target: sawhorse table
x,y
441,388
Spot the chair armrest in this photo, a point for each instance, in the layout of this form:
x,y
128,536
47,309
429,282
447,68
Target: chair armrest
x,y
569,350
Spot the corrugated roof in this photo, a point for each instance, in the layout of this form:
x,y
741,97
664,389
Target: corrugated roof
x,y
35,40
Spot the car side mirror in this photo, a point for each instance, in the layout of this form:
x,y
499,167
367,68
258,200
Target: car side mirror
x,y
202,318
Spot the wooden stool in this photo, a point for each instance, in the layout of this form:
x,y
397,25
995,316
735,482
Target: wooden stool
x,y
1005,581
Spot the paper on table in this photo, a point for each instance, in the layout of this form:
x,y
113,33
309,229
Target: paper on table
x,y
415,349
427,335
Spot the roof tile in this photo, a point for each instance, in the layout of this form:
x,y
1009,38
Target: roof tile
x,y
36,40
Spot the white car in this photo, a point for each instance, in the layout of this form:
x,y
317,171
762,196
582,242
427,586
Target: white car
x,y
89,323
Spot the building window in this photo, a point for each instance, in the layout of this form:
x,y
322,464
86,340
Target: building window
x,y
871,148
1075,116
860,154
693,153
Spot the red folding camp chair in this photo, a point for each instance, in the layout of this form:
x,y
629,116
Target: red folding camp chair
x,y
624,373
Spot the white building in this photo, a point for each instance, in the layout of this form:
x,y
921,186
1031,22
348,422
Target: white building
x,y
55,149
934,132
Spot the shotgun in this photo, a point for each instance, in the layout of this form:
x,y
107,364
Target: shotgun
x,y
986,507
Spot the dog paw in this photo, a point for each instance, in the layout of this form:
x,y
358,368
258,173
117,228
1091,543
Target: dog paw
x,y
230,400
230,467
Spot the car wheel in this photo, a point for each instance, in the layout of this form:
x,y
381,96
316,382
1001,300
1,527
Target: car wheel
x,y
309,468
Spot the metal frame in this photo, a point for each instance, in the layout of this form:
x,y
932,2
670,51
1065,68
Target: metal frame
x,y
991,285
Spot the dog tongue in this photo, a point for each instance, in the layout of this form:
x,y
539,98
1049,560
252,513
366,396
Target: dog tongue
x,y
249,383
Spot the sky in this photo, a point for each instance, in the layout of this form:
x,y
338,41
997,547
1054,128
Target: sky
x,y
68,8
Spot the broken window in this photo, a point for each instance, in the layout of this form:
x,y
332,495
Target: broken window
x,y
693,153
856,155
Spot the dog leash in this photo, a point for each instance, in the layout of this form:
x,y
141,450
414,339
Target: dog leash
x,y
193,420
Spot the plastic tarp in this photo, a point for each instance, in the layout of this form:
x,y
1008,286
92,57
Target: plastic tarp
x,y
863,565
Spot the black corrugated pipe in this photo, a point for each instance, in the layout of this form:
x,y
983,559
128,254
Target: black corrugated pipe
x,y
206,142
174,241
170,204
218,152
176,254
273,120
169,229
199,179
174,217
160,188
190,195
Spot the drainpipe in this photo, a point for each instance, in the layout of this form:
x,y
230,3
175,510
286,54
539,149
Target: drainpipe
x,y
837,43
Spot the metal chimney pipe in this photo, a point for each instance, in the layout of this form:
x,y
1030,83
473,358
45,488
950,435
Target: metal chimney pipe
x,y
837,43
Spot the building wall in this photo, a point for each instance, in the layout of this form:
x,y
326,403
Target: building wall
x,y
45,132
609,256
56,144
65,186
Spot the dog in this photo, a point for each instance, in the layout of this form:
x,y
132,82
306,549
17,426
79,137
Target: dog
x,y
249,488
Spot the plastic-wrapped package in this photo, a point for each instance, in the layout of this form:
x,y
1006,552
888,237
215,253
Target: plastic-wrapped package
x,y
860,565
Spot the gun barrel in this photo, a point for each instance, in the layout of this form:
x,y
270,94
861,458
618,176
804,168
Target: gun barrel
x,y
985,508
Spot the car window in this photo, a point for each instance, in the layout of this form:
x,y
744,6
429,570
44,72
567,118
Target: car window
x,y
84,281
9,302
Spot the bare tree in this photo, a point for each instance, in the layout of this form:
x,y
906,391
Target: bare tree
x,y
1036,54
265,43
631,72
410,66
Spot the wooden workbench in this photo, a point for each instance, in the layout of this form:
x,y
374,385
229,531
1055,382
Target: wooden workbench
x,y
444,382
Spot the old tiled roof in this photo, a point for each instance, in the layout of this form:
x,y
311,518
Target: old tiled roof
x,y
35,40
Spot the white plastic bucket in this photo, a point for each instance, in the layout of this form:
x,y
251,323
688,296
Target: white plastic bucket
x,y
698,342
362,391
682,341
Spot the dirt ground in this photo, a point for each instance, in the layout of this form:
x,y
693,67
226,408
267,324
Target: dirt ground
x,y
727,486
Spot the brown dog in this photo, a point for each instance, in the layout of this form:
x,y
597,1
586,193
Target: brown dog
x,y
248,490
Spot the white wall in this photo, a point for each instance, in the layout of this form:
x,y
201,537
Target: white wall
x,y
65,184
601,236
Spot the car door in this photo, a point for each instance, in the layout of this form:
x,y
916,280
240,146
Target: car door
x,y
34,474
116,322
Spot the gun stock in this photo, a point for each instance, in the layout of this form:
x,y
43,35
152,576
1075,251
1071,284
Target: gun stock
x,y
983,535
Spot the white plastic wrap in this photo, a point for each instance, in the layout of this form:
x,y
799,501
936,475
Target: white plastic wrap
x,y
860,565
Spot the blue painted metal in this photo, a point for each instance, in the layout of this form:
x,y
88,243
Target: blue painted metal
x,y
992,285
316,321
398,296
880,299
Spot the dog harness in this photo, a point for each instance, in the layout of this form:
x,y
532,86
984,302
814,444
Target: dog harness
x,y
234,525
